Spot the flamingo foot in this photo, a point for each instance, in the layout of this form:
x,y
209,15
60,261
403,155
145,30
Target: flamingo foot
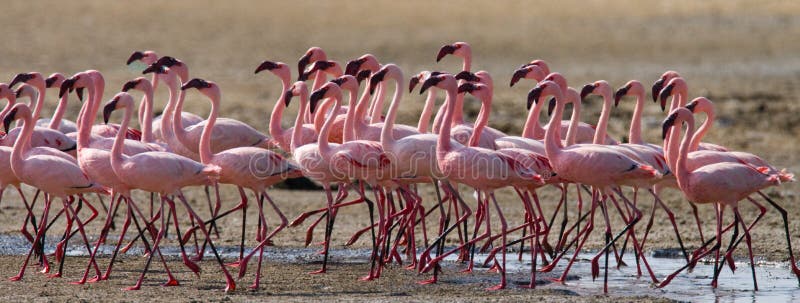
x,y
411,266
497,287
45,269
369,277
561,281
230,285
55,275
15,278
254,286
97,279
135,287
317,272
80,282
429,281
171,282
548,267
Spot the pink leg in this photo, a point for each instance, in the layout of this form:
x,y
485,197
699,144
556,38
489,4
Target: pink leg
x,y
36,240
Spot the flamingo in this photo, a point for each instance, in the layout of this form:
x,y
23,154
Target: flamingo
x,y
722,184
58,122
283,137
369,62
430,101
41,136
311,56
677,88
315,159
164,173
246,167
591,164
57,175
146,87
464,132
227,134
482,169
149,57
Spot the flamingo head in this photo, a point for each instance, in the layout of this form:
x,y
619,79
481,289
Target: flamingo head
x,y
28,91
347,82
700,104
312,55
363,75
539,63
530,71
558,78
297,89
365,62
18,112
76,83
173,64
330,67
458,49
673,87
544,88
32,78
280,69
633,87
120,100
467,76
389,71
147,57
421,77
481,91
207,88
676,115
140,83
54,80
659,84
329,90
443,81
600,87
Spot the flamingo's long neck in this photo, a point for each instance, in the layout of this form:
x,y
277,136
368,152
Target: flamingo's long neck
x,y
673,135
376,108
119,140
86,119
354,127
572,131
481,121
348,133
387,137
297,133
532,128
11,101
177,122
166,117
427,111
58,115
635,132
704,128
322,141
458,111
319,80
275,130
321,114
602,124
205,138
39,102
22,145
552,140
443,145
681,171
146,119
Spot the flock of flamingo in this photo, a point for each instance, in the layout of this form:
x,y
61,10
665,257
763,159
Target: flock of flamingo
x,y
353,147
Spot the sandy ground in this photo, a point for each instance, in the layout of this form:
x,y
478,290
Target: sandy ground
x,y
737,53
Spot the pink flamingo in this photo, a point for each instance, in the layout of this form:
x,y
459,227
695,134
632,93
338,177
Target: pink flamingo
x,y
30,92
149,57
723,184
164,173
57,121
369,62
593,165
57,175
145,86
283,137
41,136
465,132
227,134
430,101
311,56
315,159
677,88
482,169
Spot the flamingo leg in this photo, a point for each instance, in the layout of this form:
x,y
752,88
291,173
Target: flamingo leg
x,y
695,258
103,232
39,237
783,213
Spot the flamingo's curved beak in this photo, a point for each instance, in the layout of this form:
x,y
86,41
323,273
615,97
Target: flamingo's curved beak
x,y
287,97
586,90
130,85
79,92
467,76
8,119
665,93
301,65
431,81
48,83
444,51
657,86
20,78
551,106
66,86
691,106
153,68
195,83
109,108
364,74
621,92
518,75
353,65
266,65
412,83
467,87
137,55
668,122
534,94
375,79
316,96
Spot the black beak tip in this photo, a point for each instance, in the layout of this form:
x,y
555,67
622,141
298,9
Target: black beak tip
x,y
657,86
586,90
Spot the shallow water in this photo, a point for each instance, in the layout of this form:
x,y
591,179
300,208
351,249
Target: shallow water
x,y
775,280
